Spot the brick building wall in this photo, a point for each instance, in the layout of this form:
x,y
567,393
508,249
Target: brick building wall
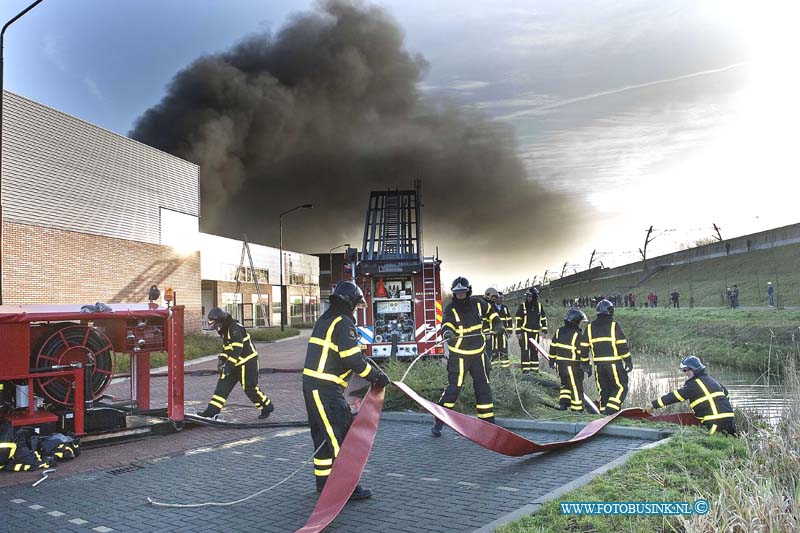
x,y
51,266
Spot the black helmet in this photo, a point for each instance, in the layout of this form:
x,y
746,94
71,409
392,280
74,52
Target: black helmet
x,y
692,363
348,293
461,284
533,291
217,318
605,307
575,317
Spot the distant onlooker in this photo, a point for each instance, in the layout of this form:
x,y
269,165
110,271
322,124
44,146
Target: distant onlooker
x,y
655,300
632,300
729,294
770,294
651,299
735,297
676,299
627,303
727,248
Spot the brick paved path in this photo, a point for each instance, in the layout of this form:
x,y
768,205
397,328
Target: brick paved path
x,y
420,484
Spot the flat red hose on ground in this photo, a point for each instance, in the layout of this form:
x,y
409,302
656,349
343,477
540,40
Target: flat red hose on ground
x,y
353,455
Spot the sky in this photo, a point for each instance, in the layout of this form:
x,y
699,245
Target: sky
x,y
621,114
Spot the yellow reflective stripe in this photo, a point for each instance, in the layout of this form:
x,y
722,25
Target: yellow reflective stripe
x,y
328,428
345,374
365,372
661,403
352,351
449,325
325,472
218,397
717,416
706,398
237,344
467,352
485,415
678,395
713,429
471,328
608,358
323,343
11,446
243,361
460,372
323,462
601,339
455,313
328,336
620,387
484,405
449,405
575,394
324,376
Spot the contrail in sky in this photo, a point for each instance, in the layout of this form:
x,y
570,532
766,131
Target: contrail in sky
x,y
592,96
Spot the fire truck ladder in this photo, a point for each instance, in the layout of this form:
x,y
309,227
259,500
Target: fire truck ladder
x,y
246,248
391,232
430,296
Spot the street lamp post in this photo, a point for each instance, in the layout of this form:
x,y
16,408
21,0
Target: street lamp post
x,y
283,291
330,259
2,94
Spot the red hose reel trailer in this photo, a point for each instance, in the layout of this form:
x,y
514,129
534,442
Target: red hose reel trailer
x,y
56,362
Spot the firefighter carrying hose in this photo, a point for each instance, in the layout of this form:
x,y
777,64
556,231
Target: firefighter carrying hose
x,y
606,342
706,396
333,356
531,323
465,323
502,340
238,363
571,359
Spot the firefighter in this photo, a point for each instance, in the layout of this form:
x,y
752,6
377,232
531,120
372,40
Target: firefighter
x,y
465,324
571,359
238,363
333,356
531,323
506,319
606,342
708,398
492,342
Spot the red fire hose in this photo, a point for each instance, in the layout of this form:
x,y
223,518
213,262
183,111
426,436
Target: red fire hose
x,y
353,455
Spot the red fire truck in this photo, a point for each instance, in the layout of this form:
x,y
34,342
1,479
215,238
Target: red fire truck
x,y
402,286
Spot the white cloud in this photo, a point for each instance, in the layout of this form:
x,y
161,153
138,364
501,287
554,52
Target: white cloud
x,y
92,87
51,48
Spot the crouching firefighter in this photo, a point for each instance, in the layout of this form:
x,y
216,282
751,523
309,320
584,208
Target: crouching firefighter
x,y
531,323
706,396
464,327
238,363
333,356
572,361
606,342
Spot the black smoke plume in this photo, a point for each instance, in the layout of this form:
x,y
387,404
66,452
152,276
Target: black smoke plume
x,y
329,109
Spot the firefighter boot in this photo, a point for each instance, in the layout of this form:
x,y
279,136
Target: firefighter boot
x,y
208,413
266,411
361,493
436,430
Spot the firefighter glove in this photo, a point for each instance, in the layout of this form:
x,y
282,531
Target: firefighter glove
x,y
383,378
552,363
448,334
627,364
221,364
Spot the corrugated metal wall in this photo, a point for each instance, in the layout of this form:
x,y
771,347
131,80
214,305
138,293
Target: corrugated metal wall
x,y
64,173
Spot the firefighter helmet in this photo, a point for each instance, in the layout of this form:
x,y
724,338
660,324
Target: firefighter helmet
x,y
575,317
217,318
490,293
461,284
605,307
348,293
532,291
692,363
